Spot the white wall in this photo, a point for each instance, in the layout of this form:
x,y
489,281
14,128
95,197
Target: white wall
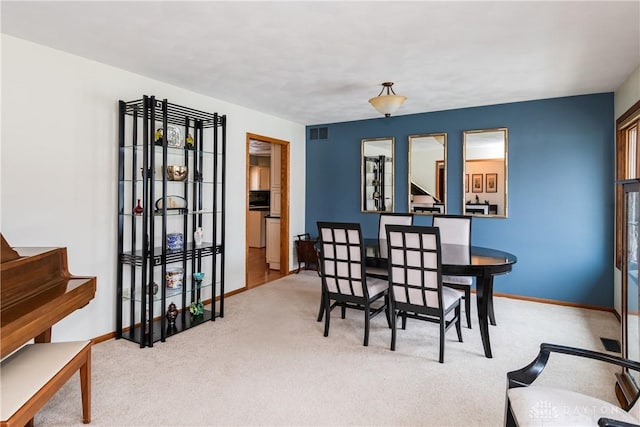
x,y
59,166
626,95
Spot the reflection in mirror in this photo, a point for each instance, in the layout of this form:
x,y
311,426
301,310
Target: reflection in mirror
x,y
485,172
377,175
427,173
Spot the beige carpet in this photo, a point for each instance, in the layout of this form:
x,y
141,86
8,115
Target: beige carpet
x,y
267,363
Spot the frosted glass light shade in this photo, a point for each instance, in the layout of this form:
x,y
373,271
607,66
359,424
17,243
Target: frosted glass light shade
x,y
387,104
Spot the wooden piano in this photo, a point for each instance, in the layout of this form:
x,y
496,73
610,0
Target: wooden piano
x,y
37,291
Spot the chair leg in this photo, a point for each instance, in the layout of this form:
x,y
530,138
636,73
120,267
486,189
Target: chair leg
x,y
344,310
404,320
458,323
388,308
393,328
321,311
442,329
467,305
509,420
327,315
367,317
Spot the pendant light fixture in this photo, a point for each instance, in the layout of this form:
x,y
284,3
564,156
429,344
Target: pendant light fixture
x,y
389,102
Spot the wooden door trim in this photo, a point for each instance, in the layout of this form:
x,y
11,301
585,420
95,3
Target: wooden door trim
x,y
284,203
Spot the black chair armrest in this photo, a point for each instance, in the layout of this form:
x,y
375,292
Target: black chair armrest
x,y
527,375
608,422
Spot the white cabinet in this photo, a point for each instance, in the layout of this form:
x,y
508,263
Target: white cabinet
x,y
257,229
273,243
276,189
259,178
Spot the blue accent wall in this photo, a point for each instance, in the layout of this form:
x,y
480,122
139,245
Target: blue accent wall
x,y
561,188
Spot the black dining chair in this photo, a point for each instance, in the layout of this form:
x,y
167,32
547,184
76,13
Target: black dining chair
x,y
415,281
539,405
456,230
344,282
387,218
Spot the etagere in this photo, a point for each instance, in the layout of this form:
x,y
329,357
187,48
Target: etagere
x,y
171,192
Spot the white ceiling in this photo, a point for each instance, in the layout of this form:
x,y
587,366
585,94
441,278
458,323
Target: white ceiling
x,y
319,62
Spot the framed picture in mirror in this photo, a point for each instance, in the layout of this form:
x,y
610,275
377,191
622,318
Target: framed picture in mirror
x,y
476,183
466,183
491,182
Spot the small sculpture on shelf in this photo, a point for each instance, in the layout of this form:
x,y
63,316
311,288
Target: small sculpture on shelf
x,y
198,276
158,137
198,237
138,210
172,314
196,308
190,143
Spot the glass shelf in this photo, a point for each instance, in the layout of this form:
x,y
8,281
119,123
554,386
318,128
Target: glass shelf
x,y
170,150
174,212
170,292
204,250
188,181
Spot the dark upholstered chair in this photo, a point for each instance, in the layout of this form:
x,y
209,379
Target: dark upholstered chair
x,y
342,269
456,230
415,281
533,405
387,218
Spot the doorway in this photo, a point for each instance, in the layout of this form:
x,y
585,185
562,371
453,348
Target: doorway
x,y
267,222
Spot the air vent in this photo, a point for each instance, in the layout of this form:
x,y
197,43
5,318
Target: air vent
x,y
319,133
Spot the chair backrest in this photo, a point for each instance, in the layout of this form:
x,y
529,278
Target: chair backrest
x,y
393,218
415,266
454,229
341,257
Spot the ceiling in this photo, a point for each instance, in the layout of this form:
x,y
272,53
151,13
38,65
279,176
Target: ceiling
x,y
319,62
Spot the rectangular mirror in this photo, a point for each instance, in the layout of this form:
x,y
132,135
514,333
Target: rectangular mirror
x,y
427,173
377,175
485,172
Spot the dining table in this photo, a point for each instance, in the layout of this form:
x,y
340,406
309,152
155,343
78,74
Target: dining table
x,y
461,260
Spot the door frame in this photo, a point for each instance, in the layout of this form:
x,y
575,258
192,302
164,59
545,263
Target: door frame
x,y
284,202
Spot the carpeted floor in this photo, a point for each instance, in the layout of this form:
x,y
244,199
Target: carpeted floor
x,y
267,363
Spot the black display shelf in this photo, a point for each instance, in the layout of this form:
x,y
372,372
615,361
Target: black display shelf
x,y
154,134
137,258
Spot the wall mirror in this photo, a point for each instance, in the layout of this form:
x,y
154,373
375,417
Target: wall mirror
x,y
377,175
427,173
485,172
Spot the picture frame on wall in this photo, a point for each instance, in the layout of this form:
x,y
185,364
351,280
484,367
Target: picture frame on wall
x,y
491,182
466,183
476,183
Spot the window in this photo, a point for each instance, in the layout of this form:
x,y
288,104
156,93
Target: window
x,y
627,163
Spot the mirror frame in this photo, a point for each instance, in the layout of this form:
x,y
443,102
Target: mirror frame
x,y
505,171
391,140
409,163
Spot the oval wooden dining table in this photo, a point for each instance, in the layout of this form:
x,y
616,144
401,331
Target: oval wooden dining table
x,y
460,260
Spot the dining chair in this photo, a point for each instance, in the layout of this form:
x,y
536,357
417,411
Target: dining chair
x,y
538,405
387,218
342,269
415,281
456,230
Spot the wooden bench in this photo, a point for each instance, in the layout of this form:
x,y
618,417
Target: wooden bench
x,y
34,373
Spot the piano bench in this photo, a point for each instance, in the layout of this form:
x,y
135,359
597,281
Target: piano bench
x,y
34,373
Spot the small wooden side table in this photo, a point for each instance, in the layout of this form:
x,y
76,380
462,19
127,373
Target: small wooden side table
x,y
306,251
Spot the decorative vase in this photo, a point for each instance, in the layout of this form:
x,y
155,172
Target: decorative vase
x,y
198,235
138,209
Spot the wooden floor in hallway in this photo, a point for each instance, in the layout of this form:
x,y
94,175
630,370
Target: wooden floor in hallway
x,y
259,272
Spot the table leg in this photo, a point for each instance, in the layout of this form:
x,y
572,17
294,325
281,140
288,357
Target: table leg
x,y
484,291
490,312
